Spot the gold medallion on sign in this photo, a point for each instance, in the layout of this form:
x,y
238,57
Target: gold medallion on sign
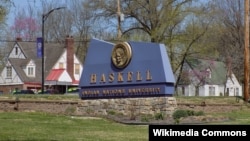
x,y
121,55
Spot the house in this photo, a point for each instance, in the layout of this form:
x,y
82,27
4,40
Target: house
x,y
23,68
202,77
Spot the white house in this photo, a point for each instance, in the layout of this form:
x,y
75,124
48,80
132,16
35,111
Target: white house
x,y
208,78
23,68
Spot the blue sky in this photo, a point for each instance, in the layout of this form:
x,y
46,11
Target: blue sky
x,y
23,4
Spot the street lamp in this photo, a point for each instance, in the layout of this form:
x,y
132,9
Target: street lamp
x,y
44,17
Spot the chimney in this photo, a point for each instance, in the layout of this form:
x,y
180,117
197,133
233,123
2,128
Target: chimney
x,y
18,39
69,44
229,66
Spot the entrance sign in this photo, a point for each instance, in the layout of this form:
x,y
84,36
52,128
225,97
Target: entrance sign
x,y
126,69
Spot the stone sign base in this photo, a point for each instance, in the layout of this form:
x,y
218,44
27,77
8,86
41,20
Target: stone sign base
x,y
128,106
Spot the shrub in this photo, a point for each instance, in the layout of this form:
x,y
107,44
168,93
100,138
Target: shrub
x,y
159,116
145,119
179,114
185,113
111,112
199,113
190,113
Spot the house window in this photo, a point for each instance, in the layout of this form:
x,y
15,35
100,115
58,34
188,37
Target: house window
x,y
16,50
183,90
31,71
227,92
237,91
77,69
211,91
9,72
61,66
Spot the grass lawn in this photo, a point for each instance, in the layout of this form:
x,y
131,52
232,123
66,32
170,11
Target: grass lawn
x,y
239,117
34,126
41,126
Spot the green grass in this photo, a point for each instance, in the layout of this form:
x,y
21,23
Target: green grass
x,y
23,126
209,99
41,126
236,117
34,126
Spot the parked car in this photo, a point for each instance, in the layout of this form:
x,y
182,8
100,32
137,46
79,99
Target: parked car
x,y
24,92
73,90
52,91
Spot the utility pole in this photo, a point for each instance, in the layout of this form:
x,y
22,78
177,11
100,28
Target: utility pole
x,y
246,53
119,32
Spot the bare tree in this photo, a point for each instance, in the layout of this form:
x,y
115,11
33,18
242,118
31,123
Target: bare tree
x,y
57,27
82,26
193,41
5,6
230,33
154,18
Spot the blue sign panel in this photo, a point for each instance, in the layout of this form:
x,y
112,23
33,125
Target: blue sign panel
x,y
127,69
39,47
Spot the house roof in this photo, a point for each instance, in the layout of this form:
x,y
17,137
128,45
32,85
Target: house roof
x,y
198,66
52,53
59,77
18,65
54,74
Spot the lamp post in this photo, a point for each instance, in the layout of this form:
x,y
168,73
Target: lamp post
x,y
44,17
